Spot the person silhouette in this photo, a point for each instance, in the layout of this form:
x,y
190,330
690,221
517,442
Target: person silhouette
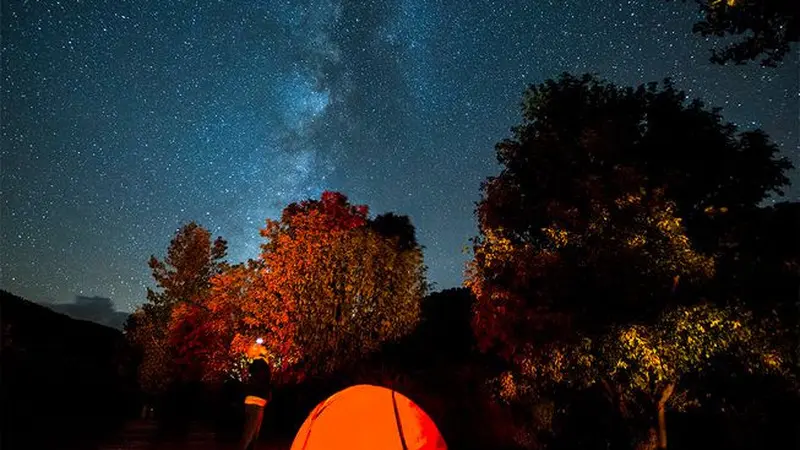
x,y
258,392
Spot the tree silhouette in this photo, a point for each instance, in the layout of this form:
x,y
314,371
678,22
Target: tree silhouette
x,y
769,27
445,329
392,226
603,202
579,129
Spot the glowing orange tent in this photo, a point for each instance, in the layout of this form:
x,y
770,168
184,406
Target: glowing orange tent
x,y
366,417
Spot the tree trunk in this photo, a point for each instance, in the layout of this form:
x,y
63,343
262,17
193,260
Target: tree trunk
x,y
662,419
662,428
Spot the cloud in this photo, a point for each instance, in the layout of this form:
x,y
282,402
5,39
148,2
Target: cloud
x,y
94,309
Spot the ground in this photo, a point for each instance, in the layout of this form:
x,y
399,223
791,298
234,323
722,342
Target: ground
x,y
141,435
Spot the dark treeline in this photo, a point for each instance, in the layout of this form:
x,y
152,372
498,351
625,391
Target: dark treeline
x,y
65,382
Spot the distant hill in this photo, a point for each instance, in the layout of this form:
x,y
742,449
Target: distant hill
x,y
95,309
72,377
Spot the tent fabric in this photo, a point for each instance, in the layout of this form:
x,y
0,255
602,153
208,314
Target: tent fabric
x,y
367,417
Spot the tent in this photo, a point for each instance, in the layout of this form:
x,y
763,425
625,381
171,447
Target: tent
x,y
366,417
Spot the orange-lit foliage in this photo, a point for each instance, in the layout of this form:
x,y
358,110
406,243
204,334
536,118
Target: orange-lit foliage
x,y
329,287
192,259
342,286
172,330
255,312
199,342
212,340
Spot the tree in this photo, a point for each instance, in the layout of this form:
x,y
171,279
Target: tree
x,y
245,309
192,259
579,131
769,26
599,178
445,326
199,342
643,368
603,218
622,263
331,285
146,332
342,286
602,184
392,226
167,326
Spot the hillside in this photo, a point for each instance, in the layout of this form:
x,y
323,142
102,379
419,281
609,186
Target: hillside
x,y
73,375
95,309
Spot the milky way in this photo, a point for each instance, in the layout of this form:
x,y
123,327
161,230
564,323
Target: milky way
x,y
122,120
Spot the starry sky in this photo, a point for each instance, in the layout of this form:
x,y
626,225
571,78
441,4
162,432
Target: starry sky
x,y
122,120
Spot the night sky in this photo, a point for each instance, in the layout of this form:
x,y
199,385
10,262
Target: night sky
x,y
122,120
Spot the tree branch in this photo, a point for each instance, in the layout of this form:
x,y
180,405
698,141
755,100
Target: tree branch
x,y
666,394
194,303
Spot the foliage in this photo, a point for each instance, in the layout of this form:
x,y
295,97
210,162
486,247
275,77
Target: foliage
x,y
192,259
621,264
199,343
768,26
331,285
342,286
601,209
601,235
581,138
147,333
247,309
645,367
170,329
685,340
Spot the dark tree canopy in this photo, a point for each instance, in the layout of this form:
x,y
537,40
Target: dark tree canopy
x,y
446,317
766,29
579,131
398,227
608,206
606,240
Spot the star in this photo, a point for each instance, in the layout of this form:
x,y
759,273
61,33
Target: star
x,y
122,121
